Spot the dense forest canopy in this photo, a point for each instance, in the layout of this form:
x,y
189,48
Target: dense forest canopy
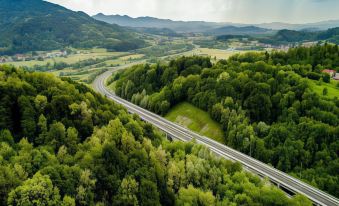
x,y
262,100
63,144
36,25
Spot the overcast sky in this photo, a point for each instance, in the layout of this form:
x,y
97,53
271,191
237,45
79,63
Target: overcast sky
x,y
238,11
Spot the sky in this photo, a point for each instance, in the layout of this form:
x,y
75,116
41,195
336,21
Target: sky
x,y
236,11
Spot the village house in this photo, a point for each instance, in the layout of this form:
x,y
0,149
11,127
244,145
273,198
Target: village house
x,y
20,57
56,54
331,72
336,77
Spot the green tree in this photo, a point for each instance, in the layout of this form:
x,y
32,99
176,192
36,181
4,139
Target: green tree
x,y
43,130
195,197
128,191
40,102
68,201
72,140
148,194
85,195
28,125
36,191
325,91
6,136
56,135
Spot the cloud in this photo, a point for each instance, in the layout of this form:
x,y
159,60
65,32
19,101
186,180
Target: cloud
x,y
244,11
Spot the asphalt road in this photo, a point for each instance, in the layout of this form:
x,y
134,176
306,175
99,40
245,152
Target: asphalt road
x,y
279,178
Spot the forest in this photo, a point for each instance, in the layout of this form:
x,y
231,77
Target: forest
x,y
37,25
63,144
263,101
286,36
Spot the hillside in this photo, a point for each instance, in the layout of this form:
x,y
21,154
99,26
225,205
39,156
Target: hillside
x,y
263,101
31,25
233,30
151,22
201,26
63,144
291,36
322,25
180,26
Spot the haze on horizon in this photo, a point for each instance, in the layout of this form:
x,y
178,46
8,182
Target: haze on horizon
x,y
237,11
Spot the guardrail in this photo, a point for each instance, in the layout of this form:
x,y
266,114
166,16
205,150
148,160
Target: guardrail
x,y
286,182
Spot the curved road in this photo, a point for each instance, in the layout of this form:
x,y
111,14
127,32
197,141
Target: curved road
x,y
279,178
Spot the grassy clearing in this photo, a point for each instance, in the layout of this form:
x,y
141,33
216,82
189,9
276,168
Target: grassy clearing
x,y
196,119
333,91
132,56
216,53
111,87
78,75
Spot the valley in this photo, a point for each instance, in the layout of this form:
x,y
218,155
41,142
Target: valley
x,y
114,110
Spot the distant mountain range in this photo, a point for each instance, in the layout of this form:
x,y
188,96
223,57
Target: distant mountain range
x,y
323,25
211,27
151,22
37,25
243,30
32,25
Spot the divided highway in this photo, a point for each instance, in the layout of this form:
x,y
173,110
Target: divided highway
x,y
279,178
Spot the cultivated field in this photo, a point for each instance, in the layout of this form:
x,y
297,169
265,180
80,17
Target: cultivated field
x,y
72,58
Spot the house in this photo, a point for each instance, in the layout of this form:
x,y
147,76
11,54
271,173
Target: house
x,y
336,77
56,54
332,73
20,57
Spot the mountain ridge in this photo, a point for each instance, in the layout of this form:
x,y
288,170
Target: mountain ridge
x,y
191,26
36,25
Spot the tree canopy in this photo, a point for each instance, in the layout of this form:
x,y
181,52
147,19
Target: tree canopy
x,y
63,144
263,101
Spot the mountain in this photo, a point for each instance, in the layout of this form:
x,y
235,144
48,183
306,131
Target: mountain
x,y
323,25
30,25
151,22
181,26
201,26
158,31
63,144
233,30
291,36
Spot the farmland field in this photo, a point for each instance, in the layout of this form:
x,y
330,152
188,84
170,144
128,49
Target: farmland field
x,y
216,53
72,58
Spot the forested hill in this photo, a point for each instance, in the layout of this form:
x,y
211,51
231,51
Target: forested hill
x,y
263,101
31,25
63,144
291,36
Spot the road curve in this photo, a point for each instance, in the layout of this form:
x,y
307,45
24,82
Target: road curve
x,y
283,180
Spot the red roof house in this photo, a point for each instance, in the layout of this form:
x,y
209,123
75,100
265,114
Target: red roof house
x,y
330,72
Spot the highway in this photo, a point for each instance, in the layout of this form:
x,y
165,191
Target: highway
x,y
283,180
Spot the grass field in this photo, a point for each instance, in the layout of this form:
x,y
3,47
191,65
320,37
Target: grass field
x,y
72,58
195,119
213,53
83,74
333,91
216,53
